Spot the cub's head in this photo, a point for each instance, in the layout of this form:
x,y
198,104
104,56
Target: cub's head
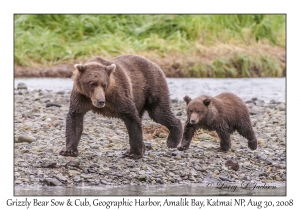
x,y
93,80
197,108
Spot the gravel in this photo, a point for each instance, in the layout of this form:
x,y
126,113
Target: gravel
x,y
40,135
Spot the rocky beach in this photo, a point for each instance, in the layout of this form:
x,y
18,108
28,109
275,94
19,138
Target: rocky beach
x,y
39,135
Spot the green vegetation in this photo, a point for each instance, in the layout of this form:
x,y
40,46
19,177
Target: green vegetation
x,y
183,45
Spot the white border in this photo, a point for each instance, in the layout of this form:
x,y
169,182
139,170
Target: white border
x,y
154,6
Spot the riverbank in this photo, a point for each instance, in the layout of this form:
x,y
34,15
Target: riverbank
x,y
218,61
39,136
214,46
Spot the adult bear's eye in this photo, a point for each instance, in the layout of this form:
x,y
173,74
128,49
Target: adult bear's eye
x,y
93,84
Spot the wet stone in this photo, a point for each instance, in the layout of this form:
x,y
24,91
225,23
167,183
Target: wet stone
x,y
247,178
61,92
225,178
118,174
52,182
48,164
179,114
86,176
178,157
142,177
73,163
18,182
23,138
28,114
141,172
259,103
175,153
77,179
22,86
281,107
104,182
232,164
253,112
162,135
148,146
25,165
61,178
52,104
205,136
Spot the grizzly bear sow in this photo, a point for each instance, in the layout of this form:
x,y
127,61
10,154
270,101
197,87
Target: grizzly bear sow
x,y
124,88
224,114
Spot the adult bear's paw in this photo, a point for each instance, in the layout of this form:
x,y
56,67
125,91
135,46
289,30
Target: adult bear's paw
x,y
252,145
181,148
171,143
134,155
71,153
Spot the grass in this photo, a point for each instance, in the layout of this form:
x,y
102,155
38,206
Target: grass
x,y
183,45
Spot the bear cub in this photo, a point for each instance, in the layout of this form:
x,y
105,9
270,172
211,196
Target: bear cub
x,y
224,113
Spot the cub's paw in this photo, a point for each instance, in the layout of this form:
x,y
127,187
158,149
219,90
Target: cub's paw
x,y
71,153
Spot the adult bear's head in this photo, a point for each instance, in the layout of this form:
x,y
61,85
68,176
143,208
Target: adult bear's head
x,y
93,80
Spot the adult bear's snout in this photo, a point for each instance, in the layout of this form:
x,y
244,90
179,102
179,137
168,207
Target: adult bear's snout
x,y
101,103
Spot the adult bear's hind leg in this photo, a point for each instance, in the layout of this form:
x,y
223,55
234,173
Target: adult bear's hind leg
x,y
162,114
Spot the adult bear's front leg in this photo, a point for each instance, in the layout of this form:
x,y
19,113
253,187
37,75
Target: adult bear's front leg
x,y
74,127
79,105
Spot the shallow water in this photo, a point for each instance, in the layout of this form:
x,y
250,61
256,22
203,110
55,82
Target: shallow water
x,y
263,88
150,190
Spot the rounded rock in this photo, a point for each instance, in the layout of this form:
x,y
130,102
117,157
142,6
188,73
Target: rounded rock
x,y
22,85
232,164
281,107
28,139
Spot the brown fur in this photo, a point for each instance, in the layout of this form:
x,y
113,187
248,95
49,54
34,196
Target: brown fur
x,y
124,88
224,114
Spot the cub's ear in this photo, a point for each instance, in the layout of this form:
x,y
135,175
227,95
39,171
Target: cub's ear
x,y
187,99
80,67
110,68
206,101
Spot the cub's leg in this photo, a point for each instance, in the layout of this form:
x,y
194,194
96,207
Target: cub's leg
x,y
188,133
248,133
225,143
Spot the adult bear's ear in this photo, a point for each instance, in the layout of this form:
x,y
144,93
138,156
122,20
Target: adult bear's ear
x,y
206,101
80,67
110,68
187,99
